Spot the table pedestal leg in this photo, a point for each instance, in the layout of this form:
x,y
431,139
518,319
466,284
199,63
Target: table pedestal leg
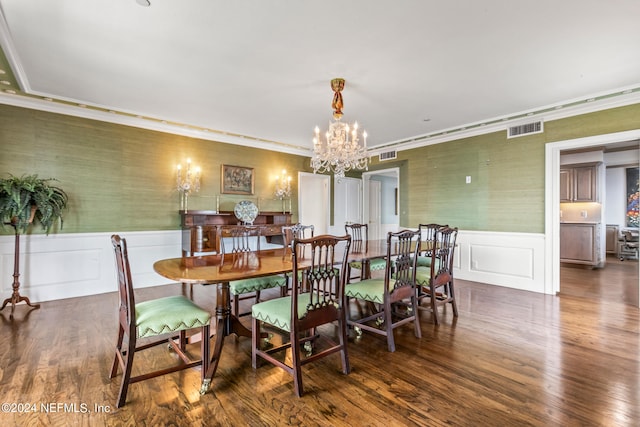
x,y
227,324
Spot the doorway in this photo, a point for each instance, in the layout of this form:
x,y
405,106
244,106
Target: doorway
x,y
552,196
381,192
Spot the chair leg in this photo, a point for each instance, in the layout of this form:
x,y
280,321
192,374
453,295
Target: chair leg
x,y
416,316
126,375
344,355
182,340
116,360
296,365
452,295
434,305
389,327
236,305
255,341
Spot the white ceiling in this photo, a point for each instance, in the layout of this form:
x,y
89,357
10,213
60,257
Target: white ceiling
x,y
261,69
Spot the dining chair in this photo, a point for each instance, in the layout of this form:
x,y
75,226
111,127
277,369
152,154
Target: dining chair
x,y
289,233
385,295
435,282
360,235
427,235
243,240
296,231
317,298
153,319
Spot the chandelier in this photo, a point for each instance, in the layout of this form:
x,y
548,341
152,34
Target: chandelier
x,y
341,150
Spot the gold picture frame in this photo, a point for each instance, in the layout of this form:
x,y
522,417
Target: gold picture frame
x,y
237,180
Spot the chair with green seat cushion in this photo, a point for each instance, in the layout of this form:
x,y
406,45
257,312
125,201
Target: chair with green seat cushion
x,y
295,231
397,288
360,235
317,298
427,233
435,282
241,241
171,316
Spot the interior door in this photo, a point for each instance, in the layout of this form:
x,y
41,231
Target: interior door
x,y
313,201
347,203
375,188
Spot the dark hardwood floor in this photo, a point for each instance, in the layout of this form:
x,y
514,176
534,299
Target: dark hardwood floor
x,y
512,358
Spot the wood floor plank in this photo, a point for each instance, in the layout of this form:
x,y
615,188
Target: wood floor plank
x,y
511,358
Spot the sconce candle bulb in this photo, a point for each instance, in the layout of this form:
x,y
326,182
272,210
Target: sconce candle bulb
x,y
187,183
283,189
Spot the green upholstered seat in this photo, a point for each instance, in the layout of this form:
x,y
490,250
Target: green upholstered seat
x,y
245,286
277,312
423,274
169,314
424,261
376,264
368,290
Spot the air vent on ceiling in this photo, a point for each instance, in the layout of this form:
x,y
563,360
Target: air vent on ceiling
x,y
525,129
388,155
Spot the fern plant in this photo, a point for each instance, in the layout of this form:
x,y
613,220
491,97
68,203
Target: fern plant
x,y
19,195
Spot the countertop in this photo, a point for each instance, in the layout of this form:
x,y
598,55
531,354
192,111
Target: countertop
x,y
580,222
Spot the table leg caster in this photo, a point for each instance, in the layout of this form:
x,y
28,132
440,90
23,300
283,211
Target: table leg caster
x,y
205,386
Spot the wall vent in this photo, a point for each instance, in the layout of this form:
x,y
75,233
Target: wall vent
x,y
525,129
388,155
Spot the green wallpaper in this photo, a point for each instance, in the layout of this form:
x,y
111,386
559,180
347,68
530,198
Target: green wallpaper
x,y
506,192
121,178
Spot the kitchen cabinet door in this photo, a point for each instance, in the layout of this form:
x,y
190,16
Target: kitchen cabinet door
x,y
566,185
585,179
578,243
579,184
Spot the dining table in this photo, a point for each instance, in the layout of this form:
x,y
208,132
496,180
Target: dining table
x,y
220,269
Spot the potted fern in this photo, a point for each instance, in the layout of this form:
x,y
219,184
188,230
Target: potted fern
x,y
24,200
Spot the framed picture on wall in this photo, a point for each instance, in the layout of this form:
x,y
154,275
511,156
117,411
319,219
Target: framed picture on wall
x,y
237,180
633,209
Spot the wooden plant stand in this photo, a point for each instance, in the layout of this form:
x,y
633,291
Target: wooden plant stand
x,y
16,297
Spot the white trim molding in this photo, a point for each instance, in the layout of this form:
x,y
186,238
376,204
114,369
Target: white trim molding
x,y
552,197
513,260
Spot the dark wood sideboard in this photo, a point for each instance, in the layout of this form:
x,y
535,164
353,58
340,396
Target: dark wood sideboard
x,y
202,230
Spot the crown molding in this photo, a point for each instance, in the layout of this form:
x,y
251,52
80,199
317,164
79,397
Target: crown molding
x,y
53,106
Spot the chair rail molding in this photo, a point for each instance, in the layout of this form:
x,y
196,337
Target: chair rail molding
x,y
62,266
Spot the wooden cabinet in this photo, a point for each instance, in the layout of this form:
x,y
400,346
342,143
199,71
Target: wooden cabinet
x,y
579,183
579,243
613,235
202,230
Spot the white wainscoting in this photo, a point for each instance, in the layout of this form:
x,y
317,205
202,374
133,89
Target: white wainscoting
x,y
514,260
71,265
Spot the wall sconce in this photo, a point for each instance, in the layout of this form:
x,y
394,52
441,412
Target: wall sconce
x,y
283,189
187,182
